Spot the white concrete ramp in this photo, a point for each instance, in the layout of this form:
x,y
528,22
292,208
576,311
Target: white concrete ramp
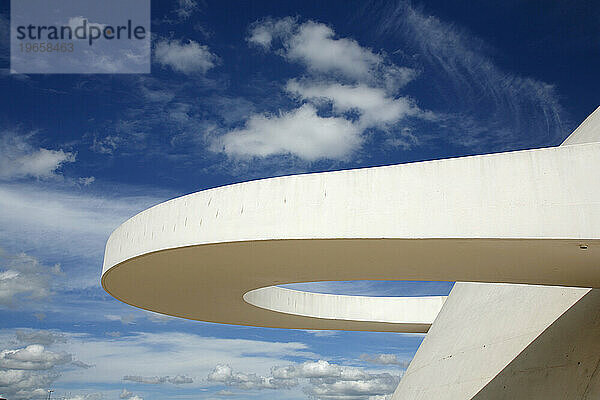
x,y
587,132
504,341
523,217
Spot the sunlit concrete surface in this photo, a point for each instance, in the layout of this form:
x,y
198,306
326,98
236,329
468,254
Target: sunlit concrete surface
x,y
523,217
498,341
587,132
490,218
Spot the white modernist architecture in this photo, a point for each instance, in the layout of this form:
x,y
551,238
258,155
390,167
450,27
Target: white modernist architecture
x,y
503,222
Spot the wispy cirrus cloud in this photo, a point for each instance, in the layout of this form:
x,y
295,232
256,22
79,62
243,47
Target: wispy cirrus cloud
x,y
482,103
62,222
185,8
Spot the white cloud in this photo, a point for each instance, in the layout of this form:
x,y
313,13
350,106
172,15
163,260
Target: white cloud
x,y
157,95
170,357
375,106
107,144
324,380
86,181
43,337
156,380
322,333
315,46
87,396
75,22
24,279
185,8
67,222
26,372
224,374
33,357
301,132
81,364
19,158
349,78
263,32
126,394
384,359
124,319
188,58
22,384
364,389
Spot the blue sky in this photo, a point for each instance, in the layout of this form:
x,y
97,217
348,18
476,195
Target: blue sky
x,y
241,91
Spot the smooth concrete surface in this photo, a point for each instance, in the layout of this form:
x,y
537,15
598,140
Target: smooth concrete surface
x,y
587,132
517,217
562,363
498,341
410,310
525,217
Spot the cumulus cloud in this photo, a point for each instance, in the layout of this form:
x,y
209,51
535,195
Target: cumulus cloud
x,y
22,384
187,58
316,46
26,372
157,380
225,375
87,396
345,80
263,32
126,394
324,380
384,359
301,132
139,357
23,278
375,106
32,357
20,158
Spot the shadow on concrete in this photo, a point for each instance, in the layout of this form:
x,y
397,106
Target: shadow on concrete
x,y
562,363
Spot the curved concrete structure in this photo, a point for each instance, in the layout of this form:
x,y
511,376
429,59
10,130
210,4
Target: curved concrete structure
x,y
463,219
523,217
